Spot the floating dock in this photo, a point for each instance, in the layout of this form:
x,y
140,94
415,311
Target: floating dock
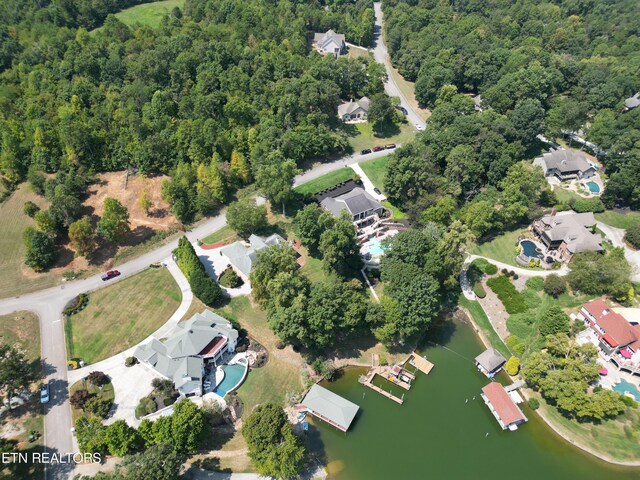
x,y
421,363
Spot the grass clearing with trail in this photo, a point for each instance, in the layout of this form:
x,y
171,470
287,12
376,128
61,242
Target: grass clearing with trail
x,y
149,14
122,315
328,180
501,248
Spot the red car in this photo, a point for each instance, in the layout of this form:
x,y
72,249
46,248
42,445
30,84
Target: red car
x,y
109,275
377,149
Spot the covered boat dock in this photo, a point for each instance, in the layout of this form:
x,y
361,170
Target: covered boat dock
x,y
329,407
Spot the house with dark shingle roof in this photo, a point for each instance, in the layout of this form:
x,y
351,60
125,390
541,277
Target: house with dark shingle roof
x,y
490,362
357,203
182,357
568,234
330,42
565,165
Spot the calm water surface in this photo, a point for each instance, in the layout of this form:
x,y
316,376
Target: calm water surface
x,y
438,434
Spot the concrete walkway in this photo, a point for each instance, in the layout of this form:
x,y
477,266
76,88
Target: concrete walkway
x,y
130,384
367,183
564,270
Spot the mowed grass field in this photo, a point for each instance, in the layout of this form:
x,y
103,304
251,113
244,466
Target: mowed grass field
x,y
281,374
329,180
122,315
21,329
361,135
501,248
148,13
619,220
376,170
15,277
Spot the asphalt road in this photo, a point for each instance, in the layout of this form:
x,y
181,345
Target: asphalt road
x,y
49,303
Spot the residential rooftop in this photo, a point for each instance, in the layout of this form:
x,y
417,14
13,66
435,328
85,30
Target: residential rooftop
x,y
502,406
615,329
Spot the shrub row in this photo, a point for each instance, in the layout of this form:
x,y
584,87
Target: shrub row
x,y
582,205
512,300
479,290
78,304
202,285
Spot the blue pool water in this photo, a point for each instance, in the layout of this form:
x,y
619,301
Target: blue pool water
x,y
593,187
232,375
624,387
375,248
529,249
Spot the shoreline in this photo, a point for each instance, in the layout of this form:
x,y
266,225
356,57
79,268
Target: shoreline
x,y
540,411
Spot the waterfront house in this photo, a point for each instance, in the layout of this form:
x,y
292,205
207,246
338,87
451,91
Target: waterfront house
x,y
490,362
568,234
614,332
354,112
361,207
242,255
503,408
194,344
329,407
330,42
565,165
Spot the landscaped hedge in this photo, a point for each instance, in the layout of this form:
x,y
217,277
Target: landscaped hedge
x,y
582,205
632,235
479,290
77,304
485,266
202,285
512,300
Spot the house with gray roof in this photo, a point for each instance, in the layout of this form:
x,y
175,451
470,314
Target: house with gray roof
x,y
632,102
330,42
568,234
242,255
357,203
183,356
354,112
329,407
490,362
565,165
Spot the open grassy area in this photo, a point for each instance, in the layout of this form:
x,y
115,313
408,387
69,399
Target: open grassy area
x,y
376,170
618,220
121,315
617,438
281,374
361,135
105,392
22,329
329,180
148,13
221,234
15,277
564,196
481,320
501,248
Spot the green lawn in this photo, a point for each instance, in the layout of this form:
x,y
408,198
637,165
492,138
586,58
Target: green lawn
x,y
564,196
281,374
619,220
329,180
148,13
221,234
15,277
376,170
481,320
22,329
122,315
502,248
361,135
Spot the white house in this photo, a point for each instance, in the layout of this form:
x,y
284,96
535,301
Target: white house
x,y
354,112
330,42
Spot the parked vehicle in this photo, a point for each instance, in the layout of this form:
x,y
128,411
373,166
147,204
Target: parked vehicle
x,y
419,127
377,190
390,145
44,393
109,275
377,149
365,151
402,109
155,265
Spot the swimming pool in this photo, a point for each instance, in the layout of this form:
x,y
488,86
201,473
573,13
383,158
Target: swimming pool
x,y
375,248
626,387
593,187
530,249
233,375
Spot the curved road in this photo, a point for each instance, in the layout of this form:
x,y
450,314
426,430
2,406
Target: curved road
x,y
49,303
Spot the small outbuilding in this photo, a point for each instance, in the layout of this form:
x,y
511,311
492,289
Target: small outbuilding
x,y
330,407
503,408
490,362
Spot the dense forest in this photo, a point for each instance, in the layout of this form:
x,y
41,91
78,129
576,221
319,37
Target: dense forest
x,y
577,60
220,94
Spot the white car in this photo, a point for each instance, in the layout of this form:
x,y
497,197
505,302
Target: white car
x,y
419,127
44,393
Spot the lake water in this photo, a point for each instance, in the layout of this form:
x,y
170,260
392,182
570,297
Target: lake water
x,y
441,432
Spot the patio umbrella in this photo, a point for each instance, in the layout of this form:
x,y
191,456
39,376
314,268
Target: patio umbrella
x,y
625,353
603,371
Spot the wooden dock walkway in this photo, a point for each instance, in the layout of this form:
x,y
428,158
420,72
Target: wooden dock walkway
x,y
421,363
